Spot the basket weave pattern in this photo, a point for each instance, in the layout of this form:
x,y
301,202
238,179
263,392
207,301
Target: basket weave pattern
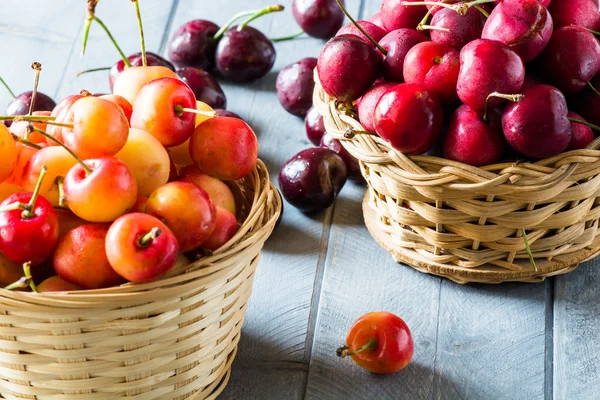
x,y
466,223
174,338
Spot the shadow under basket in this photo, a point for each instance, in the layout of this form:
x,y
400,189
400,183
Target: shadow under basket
x,y
472,224
174,338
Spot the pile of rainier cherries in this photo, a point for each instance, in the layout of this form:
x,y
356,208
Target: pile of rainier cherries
x,y
81,210
477,82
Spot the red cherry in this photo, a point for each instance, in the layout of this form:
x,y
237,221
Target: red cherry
x,y
28,234
380,342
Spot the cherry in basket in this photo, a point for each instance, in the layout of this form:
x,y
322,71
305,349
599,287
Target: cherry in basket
x,y
380,342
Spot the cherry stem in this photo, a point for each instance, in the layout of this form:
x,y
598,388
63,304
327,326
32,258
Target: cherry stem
x,y
593,31
515,98
460,8
531,259
371,344
12,207
289,37
7,88
377,45
26,142
71,126
28,211
225,27
593,88
49,136
37,68
93,70
89,17
432,28
179,109
34,118
481,10
260,13
114,42
27,271
578,121
351,133
141,29
62,199
147,239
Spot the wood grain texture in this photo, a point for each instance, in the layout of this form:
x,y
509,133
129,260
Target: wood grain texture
x,y
576,326
36,33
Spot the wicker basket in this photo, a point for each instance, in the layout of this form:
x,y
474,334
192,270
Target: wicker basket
x,y
466,223
170,339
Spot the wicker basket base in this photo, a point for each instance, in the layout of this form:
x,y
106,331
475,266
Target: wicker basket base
x,y
560,264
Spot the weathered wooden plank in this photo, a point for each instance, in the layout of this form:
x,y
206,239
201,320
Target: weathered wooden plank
x,y
361,277
36,33
270,381
576,327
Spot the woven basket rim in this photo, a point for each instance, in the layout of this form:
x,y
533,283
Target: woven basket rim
x,y
252,233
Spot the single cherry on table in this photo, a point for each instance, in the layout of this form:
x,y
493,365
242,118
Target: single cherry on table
x,y
318,18
295,85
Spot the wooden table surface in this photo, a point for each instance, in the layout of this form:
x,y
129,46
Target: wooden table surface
x,y
319,273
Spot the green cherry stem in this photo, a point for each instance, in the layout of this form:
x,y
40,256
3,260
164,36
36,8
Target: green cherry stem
x,y
260,13
26,142
114,42
20,284
232,20
377,45
578,121
180,110
93,70
593,88
27,271
12,207
141,29
89,17
371,344
432,28
147,239
593,31
481,10
49,136
515,98
289,37
34,118
28,211
37,68
7,88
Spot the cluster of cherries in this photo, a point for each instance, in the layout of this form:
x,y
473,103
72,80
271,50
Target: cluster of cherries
x,y
478,81
105,189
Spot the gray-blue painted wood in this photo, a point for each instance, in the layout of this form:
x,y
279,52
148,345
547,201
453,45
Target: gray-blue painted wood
x,y
318,274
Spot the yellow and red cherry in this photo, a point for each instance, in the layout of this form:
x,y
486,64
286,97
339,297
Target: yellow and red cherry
x,y
56,284
224,147
24,154
122,102
8,189
225,228
8,153
80,258
141,248
21,128
28,227
99,128
100,189
58,162
161,109
186,209
181,153
140,205
217,190
131,81
59,113
150,170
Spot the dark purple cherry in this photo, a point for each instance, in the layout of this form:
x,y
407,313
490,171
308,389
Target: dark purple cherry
x,y
204,85
244,55
312,179
587,102
352,165
347,67
398,43
315,127
318,18
224,113
152,59
457,30
295,85
20,104
192,44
